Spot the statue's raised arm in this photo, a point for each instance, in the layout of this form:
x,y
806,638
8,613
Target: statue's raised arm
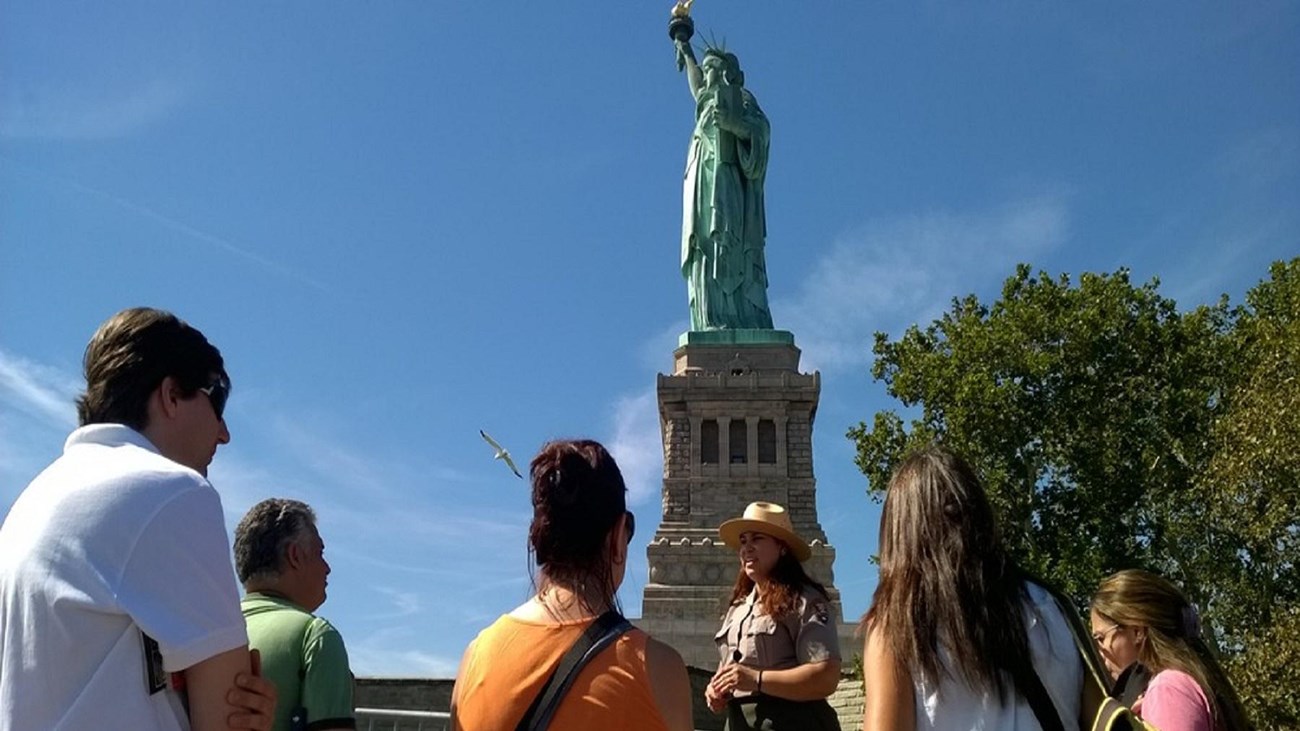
x,y
724,223
680,29
686,61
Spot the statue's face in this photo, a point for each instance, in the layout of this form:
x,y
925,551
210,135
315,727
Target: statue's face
x,y
714,70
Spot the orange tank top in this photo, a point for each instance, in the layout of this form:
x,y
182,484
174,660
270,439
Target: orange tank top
x,y
509,662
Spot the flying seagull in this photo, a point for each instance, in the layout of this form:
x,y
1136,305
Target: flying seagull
x,y
501,454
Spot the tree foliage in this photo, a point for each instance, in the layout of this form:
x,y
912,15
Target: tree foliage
x,y
1251,488
1113,430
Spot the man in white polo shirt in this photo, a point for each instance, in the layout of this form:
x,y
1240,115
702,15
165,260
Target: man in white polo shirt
x,y
118,606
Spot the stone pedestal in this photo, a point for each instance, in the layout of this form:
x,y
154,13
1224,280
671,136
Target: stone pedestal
x,y
736,418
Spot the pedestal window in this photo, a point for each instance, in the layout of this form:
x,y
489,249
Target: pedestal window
x,y
738,436
766,441
709,441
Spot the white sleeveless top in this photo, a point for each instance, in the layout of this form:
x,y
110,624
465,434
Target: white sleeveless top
x,y
955,706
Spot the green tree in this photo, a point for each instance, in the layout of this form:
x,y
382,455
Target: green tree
x,y
1086,409
1252,489
1113,430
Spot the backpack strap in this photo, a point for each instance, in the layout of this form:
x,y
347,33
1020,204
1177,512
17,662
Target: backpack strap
x,y
1131,684
607,628
1049,719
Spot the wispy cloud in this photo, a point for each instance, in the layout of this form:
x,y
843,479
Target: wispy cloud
x,y
89,111
36,412
243,484
388,652
358,492
401,603
393,663
1229,254
41,391
656,352
907,269
325,460
636,444
217,242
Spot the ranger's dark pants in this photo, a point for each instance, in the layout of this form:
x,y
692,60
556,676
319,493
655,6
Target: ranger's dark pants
x,y
765,713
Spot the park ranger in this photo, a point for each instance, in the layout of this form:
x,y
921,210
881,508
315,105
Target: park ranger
x,y
779,656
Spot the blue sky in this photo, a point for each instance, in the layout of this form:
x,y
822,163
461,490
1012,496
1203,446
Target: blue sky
x,y
404,221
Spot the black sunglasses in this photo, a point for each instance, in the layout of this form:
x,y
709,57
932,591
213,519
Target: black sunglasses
x,y
631,525
217,392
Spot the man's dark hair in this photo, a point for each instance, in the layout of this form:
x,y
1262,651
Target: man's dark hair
x,y
130,354
265,532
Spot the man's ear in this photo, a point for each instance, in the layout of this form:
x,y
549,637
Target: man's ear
x,y
293,555
167,397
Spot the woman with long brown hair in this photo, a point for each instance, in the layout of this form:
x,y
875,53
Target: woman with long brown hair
x,y
957,636
579,539
1139,617
779,652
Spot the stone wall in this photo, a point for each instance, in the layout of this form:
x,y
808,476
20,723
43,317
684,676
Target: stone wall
x,y
429,694
406,694
848,701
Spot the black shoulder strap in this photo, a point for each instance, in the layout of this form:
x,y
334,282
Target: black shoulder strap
x,y
1049,718
1132,683
1036,693
608,627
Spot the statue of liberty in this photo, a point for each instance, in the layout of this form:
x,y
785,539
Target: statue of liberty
x,y
724,225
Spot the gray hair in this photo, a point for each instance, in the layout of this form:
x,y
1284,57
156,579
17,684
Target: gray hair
x,y
265,532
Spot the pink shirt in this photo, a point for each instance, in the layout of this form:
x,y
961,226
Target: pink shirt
x,y
1175,702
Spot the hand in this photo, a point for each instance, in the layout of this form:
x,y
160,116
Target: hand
x,y
681,54
715,702
729,121
735,677
256,695
715,698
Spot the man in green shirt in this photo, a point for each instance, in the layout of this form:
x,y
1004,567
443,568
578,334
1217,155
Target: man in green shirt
x,y
280,558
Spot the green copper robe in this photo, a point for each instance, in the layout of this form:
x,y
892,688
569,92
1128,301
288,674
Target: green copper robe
x,y
724,225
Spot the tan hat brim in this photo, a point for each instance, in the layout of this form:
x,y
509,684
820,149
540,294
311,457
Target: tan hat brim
x,y
730,532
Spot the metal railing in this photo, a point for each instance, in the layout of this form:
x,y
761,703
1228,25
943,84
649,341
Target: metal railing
x,y
393,719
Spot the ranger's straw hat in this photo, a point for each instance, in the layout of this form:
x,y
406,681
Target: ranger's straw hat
x,y
768,518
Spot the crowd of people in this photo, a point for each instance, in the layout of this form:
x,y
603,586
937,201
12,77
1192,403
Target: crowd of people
x,y
118,608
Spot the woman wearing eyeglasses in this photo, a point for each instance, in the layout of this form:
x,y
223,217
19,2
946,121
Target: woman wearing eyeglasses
x,y
958,637
579,539
1144,625
780,655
